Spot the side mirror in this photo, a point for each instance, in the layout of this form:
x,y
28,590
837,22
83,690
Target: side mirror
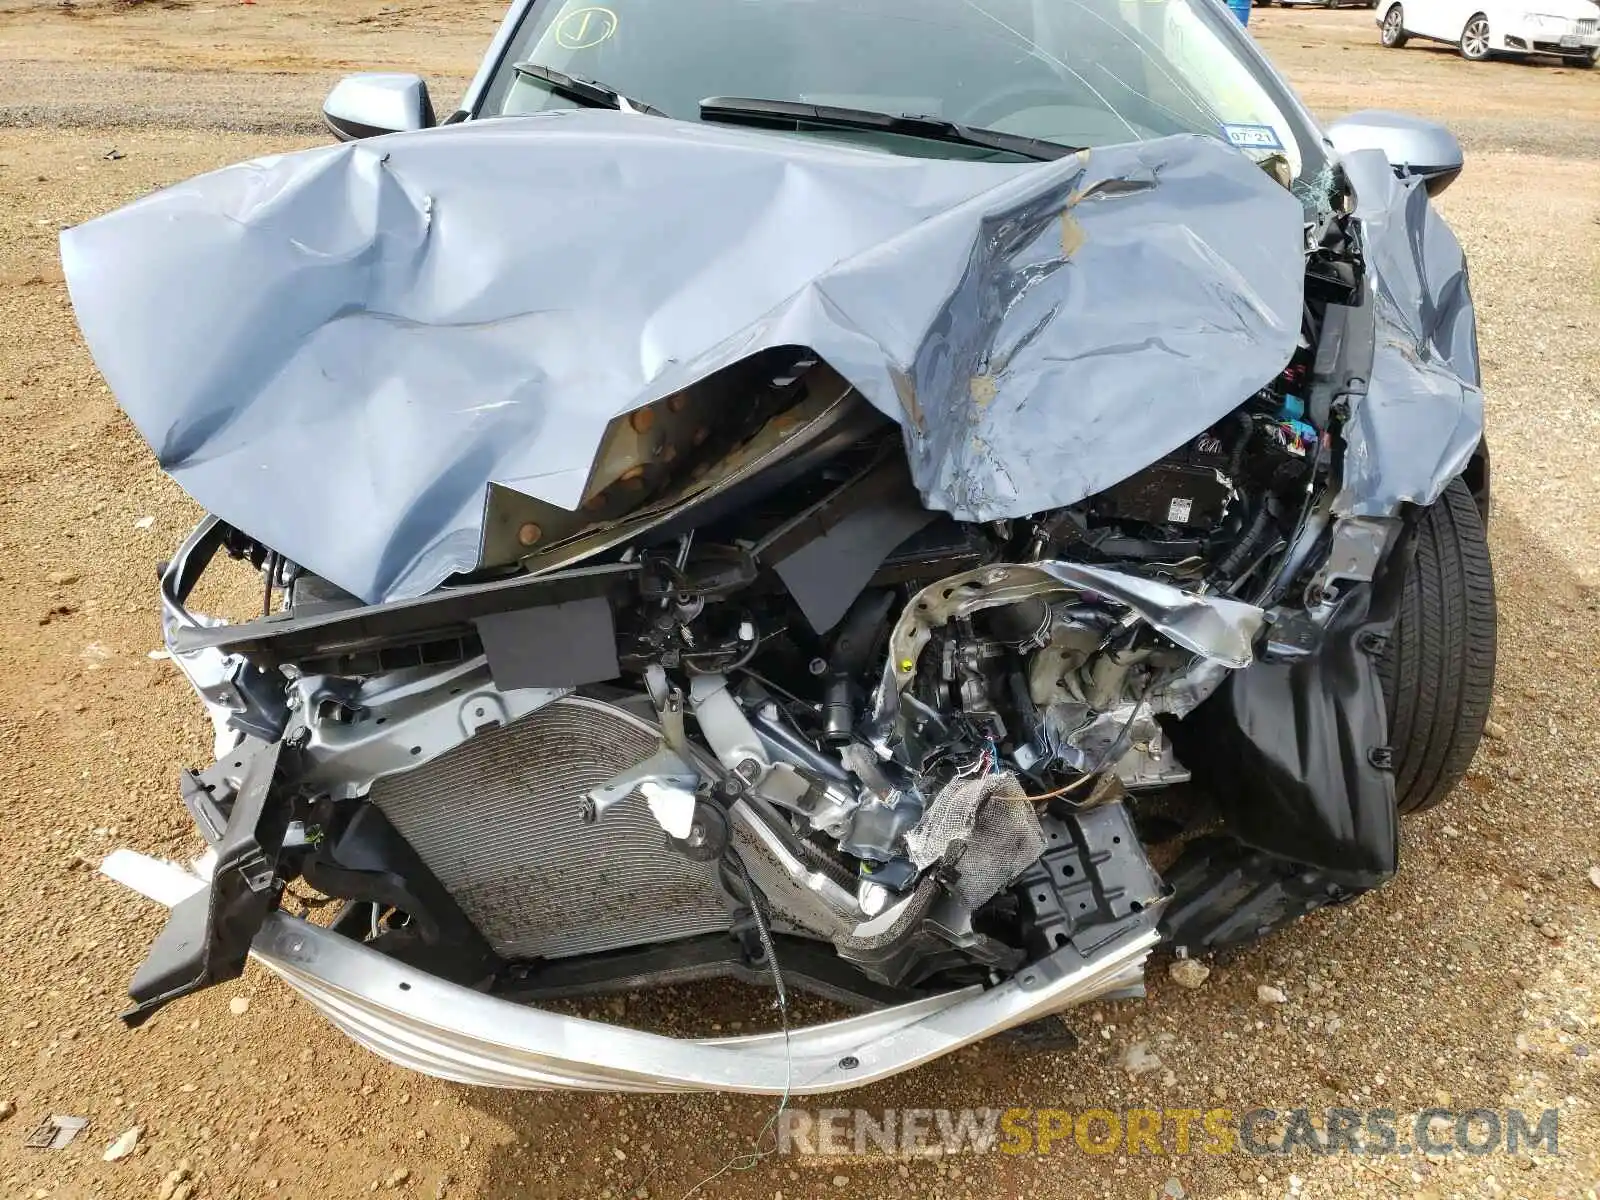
x,y
1415,147
366,105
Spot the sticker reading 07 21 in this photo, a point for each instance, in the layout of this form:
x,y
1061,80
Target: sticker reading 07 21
x,y
1253,137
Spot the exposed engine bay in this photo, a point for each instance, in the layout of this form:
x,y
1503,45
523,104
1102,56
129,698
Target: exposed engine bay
x,y
752,687
758,692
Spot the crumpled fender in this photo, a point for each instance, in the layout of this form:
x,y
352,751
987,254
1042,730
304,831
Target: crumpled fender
x,y
1421,419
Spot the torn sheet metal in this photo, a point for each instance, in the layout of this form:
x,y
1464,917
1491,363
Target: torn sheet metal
x,y
339,350
1422,416
1215,628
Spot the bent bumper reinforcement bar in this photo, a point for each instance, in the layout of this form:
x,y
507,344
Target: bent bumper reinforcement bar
x,y
419,1021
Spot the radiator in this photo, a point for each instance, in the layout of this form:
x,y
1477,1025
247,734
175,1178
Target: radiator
x,y
497,820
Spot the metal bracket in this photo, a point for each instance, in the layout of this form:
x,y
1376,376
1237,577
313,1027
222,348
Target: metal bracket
x,y
738,745
1354,553
664,769
668,770
399,721
208,934
668,703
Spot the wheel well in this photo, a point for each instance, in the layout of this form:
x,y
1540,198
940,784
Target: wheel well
x,y
1476,476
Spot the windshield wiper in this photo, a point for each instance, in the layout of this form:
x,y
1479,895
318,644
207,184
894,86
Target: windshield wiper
x,y
586,92
791,114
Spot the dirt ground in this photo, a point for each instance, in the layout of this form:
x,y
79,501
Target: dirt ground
x,y
1472,981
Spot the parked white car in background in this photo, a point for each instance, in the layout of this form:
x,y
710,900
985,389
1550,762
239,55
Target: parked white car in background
x,y
1569,29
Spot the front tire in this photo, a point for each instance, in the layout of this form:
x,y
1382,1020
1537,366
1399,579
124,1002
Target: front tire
x,y
1475,38
1392,32
1437,670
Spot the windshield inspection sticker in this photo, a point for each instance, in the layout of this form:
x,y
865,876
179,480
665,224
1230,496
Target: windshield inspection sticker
x,y
582,28
1253,137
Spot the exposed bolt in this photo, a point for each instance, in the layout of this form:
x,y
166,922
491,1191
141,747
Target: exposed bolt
x,y
642,419
529,533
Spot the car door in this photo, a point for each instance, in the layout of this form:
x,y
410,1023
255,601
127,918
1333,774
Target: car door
x,y
1456,13
1431,18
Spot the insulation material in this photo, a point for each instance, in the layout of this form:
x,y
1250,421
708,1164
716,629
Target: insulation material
x,y
986,827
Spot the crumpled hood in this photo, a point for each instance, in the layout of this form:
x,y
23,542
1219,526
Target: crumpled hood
x,y
338,350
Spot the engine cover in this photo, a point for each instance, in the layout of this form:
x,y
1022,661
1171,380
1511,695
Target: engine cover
x,y
497,821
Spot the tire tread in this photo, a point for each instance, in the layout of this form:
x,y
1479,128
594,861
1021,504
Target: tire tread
x,y
1437,671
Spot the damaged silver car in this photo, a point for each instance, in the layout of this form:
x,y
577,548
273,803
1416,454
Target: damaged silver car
x,y
826,493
